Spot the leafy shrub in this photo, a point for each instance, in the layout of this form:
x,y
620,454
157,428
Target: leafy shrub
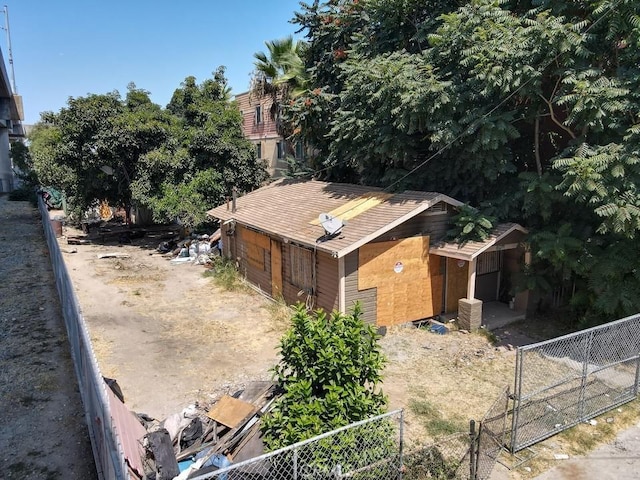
x,y
329,375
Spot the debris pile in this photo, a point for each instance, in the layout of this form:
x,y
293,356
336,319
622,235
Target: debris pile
x,y
197,249
203,439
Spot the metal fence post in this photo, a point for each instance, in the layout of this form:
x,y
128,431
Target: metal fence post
x,y
585,371
472,449
516,399
401,445
295,464
635,386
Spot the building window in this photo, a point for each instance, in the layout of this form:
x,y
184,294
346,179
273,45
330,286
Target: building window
x,y
279,150
258,114
301,261
299,150
489,262
259,150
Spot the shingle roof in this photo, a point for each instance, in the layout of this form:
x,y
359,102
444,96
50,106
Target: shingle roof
x,y
471,250
289,209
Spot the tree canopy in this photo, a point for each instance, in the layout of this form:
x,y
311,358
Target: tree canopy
x,y
527,109
178,161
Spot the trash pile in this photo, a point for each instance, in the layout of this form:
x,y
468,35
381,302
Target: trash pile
x,y
202,439
197,249
199,440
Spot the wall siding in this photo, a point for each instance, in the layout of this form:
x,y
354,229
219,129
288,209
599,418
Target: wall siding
x,y
367,298
426,224
327,282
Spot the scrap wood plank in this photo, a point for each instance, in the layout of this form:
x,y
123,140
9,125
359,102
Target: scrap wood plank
x,y
113,255
233,436
230,411
78,241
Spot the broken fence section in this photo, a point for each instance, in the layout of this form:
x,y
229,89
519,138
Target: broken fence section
x,y
571,379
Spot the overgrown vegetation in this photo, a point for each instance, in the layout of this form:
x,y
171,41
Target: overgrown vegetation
x,y
225,274
23,194
526,110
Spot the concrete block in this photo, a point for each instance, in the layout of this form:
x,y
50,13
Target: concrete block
x,y
469,313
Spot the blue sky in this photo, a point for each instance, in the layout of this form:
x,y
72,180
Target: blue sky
x,y
73,47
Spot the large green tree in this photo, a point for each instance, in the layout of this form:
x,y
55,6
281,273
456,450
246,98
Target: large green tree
x,y
528,109
178,162
207,157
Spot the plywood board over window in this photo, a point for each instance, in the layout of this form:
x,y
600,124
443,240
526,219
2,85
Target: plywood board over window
x,y
255,246
400,271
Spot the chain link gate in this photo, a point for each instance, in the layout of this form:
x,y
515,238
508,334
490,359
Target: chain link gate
x,y
491,437
570,379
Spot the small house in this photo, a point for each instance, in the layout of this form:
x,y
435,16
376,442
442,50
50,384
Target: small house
x,y
330,244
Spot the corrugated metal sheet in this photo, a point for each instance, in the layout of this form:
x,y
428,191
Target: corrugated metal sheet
x,y
471,250
286,208
130,432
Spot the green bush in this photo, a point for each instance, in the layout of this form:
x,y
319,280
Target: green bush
x,y
329,376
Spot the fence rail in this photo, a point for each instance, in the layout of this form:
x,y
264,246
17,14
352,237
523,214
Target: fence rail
x,y
570,379
105,442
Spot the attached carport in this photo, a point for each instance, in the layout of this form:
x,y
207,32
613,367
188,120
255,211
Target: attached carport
x,y
489,266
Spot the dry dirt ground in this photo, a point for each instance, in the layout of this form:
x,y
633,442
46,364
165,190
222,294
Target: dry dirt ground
x,y
171,337
43,432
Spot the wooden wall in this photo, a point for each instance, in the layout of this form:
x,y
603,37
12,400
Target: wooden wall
x,y
327,282
457,276
428,223
400,272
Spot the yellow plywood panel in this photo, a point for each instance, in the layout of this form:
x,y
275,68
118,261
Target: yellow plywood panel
x,y
399,270
230,411
356,207
457,276
276,268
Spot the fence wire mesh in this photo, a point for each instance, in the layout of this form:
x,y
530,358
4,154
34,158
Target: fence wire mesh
x,y
367,450
105,441
562,382
448,458
491,436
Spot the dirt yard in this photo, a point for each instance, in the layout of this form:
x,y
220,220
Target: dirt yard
x,y
171,337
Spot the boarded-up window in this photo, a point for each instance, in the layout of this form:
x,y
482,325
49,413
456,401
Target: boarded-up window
x,y
301,262
253,247
489,262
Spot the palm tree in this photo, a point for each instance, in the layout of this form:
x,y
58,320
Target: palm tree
x,y
280,73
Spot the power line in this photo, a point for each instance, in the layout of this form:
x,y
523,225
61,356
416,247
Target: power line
x,y
477,121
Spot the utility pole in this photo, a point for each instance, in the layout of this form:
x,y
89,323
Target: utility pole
x,y
6,28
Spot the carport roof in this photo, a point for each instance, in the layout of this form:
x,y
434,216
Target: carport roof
x,y
505,235
289,209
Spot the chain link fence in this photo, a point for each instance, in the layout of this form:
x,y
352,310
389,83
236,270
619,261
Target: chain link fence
x,y
562,382
107,448
366,450
491,436
448,458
